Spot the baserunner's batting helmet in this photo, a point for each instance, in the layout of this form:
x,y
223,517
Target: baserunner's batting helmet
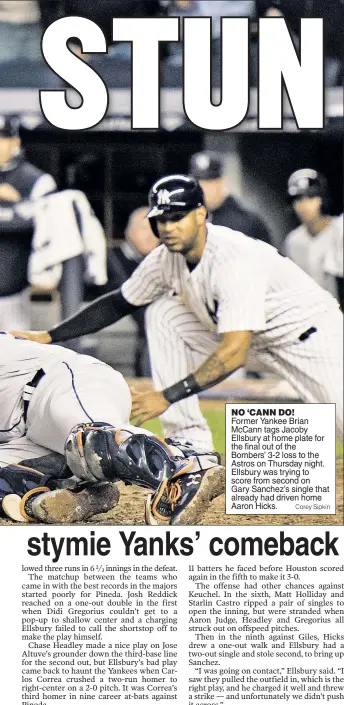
x,y
174,196
306,183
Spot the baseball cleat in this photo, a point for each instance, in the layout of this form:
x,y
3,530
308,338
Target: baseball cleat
x,y
12,504
184,499
11,507
70,505
159,505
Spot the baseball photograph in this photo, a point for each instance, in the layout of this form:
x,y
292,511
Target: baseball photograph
x,y
150,277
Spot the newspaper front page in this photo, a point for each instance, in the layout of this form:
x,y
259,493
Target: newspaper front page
x,y
199,578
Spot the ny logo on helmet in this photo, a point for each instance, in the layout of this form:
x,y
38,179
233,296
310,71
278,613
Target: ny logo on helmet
x,y
163,197
303,182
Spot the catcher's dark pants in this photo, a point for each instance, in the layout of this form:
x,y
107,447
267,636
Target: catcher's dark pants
x,y
46,471
21,449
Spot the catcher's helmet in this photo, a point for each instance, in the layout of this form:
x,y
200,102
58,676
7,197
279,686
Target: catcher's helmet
x,y
172,195
306,183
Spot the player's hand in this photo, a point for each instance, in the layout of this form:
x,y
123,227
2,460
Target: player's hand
x,y
37,336
147,405
8,193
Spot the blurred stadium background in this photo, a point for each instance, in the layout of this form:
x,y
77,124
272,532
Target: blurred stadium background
x,y
115,167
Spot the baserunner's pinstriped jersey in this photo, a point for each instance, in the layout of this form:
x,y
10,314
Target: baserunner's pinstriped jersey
x,y
239,284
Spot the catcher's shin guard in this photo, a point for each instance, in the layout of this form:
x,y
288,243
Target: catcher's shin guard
x,y
90,451
98,451
143,460
185,449
186,496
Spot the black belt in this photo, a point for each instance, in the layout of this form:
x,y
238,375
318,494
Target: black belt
x,y
307,333
28,390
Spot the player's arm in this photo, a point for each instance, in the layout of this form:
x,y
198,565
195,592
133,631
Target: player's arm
x,y
143,287
99,314
240,311
43,186
228,357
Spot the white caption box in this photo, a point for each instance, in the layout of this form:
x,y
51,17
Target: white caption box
x,y
280,459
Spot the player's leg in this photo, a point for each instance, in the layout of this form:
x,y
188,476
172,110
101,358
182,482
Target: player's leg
x,y
25,469
314,367
183,482
194,481
21,449
61,401
82,391
178,344
36,485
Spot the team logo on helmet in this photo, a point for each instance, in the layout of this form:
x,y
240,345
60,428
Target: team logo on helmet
x,y
306,183
171,194
163,197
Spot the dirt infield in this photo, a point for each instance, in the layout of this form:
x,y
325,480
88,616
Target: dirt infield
x,y
130,512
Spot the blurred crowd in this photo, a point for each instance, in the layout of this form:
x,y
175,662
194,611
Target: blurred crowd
x,y
22,23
